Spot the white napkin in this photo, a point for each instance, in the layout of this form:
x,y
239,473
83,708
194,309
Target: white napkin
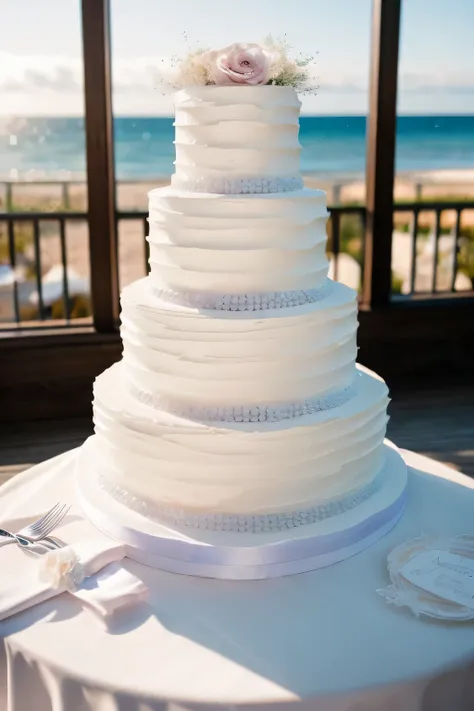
x,y
89,570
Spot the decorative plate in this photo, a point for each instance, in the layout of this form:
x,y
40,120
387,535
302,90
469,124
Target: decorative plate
x,y
404,593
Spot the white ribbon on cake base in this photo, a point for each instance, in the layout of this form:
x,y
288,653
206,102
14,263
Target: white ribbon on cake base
x,y
239,556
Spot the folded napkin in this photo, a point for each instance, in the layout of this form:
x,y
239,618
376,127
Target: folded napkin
x,y
89,570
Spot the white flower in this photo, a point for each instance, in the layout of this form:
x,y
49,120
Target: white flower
x,y
62,568
286,71
194,69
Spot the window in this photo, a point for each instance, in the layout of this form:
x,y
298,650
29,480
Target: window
x,y
44,262
433,249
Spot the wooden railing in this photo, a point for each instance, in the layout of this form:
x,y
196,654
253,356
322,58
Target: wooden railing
x,y
9,222
438,208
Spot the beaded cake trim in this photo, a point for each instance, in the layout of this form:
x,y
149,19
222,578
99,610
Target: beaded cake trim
x,y
245,413
245,302
240,185
241,523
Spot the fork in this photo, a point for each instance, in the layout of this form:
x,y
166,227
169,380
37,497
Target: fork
x,y
46,545
39,529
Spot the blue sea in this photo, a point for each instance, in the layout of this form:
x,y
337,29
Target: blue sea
x,y
42,148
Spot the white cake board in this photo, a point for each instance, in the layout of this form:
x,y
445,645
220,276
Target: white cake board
x,y
245,556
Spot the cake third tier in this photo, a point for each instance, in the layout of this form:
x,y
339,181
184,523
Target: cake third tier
x,y
205,363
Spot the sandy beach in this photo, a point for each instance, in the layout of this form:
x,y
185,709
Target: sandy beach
x,y
341,189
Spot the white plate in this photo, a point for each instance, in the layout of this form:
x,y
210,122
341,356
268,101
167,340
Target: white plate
x,y
405,594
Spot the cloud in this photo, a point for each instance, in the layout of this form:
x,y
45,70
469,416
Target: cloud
x,y
55,73
29,73
440,89
452,82
343,88
63,79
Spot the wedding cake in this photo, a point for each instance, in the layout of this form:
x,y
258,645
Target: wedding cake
x,y
238,404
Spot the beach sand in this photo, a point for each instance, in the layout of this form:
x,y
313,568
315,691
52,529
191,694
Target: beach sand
x,y
341,189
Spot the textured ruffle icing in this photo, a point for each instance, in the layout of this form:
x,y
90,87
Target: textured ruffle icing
x,y
235,144
217,359
238,467
238,404
242,523
237,244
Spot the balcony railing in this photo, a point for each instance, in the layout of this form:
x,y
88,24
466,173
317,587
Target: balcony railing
x,y
456,247
37,312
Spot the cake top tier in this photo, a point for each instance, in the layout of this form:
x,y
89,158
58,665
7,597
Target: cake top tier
x,y
237,139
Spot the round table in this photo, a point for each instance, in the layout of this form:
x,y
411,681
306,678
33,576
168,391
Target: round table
x,y
324,635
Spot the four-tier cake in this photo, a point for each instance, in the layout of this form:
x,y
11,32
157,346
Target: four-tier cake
x,y
238,405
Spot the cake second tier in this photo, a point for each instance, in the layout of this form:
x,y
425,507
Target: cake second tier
x,y
203,243
200,363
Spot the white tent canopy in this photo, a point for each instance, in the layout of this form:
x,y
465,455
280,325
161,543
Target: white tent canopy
x,y
53,285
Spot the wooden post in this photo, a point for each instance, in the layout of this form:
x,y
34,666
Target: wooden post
x,y
8,197
100,164
381,132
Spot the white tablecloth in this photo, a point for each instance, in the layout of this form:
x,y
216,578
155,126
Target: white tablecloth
x,y
325,634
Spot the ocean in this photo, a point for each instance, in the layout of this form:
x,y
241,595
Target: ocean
x,y
42,148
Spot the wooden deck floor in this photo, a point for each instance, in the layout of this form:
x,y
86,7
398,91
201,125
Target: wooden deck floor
x,y
435,422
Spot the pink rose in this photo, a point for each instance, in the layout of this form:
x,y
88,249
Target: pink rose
x,y
240,64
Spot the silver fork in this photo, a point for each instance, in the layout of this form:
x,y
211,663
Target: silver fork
x,y
46,545
38,530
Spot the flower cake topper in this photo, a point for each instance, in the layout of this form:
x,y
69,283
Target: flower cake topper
x,y
245,64
240,64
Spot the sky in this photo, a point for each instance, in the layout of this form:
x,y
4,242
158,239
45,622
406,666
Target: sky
x,y
41,66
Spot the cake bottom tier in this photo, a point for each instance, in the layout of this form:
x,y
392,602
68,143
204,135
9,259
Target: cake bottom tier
x,y
185,470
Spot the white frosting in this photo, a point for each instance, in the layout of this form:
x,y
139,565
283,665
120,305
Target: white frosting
x,y
205,358
226,132
236,244
238,467
237,324
244,523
